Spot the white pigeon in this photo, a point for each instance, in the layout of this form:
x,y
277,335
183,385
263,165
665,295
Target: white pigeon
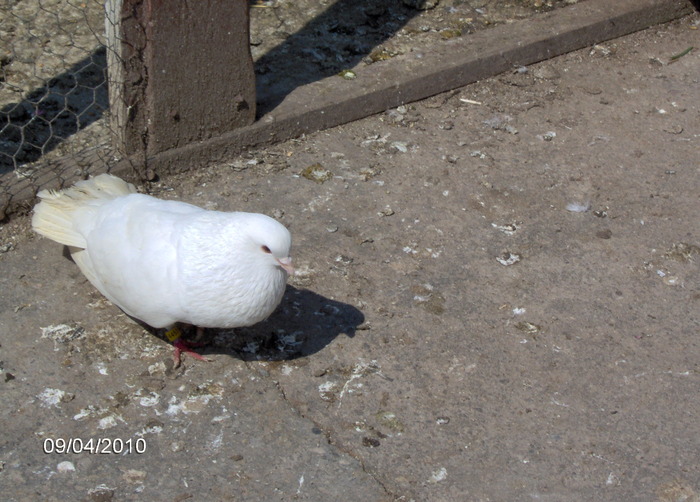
x,y
167,262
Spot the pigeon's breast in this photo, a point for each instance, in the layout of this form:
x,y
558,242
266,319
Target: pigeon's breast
x,y
238,301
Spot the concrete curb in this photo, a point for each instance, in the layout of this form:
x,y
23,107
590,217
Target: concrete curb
x,y
334,101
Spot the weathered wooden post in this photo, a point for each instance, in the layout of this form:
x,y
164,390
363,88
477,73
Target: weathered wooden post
x,y
179,72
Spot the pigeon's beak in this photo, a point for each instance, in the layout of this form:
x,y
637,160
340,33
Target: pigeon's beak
x,y
286,263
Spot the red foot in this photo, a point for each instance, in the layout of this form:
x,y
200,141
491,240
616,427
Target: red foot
x,y
183,347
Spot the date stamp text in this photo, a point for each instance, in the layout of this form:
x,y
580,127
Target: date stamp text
x,y
94,446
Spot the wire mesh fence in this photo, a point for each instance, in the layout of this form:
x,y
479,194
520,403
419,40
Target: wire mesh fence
x,y
56,124
53,89
53,84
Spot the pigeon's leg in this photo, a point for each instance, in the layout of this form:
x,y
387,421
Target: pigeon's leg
x,y
181,346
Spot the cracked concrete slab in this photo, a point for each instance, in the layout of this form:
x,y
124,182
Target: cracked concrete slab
x,y
497,300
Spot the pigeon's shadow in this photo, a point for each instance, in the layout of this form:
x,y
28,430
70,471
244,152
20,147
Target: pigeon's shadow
x,y
303,324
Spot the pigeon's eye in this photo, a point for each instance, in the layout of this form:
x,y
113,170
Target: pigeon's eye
x,y
266,249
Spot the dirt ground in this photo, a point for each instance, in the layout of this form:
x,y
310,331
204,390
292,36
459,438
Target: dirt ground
x,y
497,299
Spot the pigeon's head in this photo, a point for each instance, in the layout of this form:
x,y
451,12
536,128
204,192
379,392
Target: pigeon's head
x,y
269,241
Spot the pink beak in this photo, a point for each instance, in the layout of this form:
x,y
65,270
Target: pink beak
x,y
286,264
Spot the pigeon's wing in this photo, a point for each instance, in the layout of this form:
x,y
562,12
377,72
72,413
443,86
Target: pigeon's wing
x,y
131,254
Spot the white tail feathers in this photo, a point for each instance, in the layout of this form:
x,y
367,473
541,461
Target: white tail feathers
x,y
54,215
